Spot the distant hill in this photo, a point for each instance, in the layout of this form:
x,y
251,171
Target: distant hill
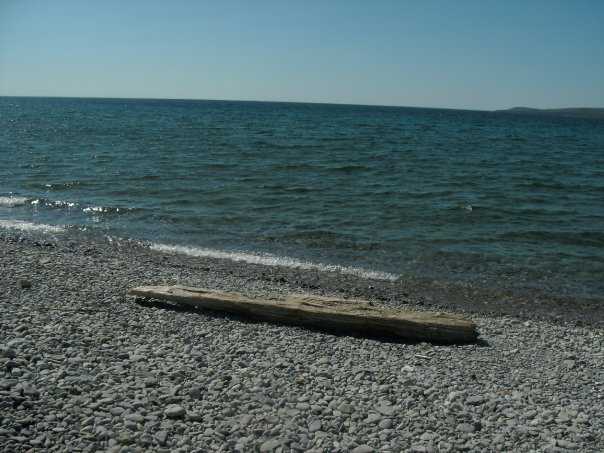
x,y
568,112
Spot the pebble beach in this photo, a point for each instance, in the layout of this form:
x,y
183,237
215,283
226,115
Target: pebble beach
x,y
84,367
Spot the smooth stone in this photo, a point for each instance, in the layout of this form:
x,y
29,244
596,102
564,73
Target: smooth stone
x,y
386,423
466,428
161,437
137,418
116,411
270,445
315,426
475,400
345,408
24,283
373,418
427,436
363,449
7,352
194,416
570,364
174,411
385,409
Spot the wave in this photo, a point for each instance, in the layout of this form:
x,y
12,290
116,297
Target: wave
x,y
28,226
320,238
347,168
39,202
560,186
54,204
578,238
104,210
267,259
287,188
11,202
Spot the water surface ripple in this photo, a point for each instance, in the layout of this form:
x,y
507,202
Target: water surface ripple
x,y
454,195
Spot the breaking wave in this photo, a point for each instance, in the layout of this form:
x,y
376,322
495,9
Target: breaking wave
x,y
11,202
28,226
267,259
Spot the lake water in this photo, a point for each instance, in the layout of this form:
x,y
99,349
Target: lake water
x,y
489,198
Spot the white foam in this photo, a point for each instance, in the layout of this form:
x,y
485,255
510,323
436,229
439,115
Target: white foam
x,y
28,226
11,202
95,209
272,260
64,204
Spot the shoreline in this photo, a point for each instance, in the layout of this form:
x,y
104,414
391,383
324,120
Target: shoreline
x,y
409,291
97,371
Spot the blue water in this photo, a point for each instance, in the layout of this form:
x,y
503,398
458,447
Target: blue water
x,y
489,198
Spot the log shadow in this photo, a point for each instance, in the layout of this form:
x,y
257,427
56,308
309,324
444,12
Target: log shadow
x,y
180,308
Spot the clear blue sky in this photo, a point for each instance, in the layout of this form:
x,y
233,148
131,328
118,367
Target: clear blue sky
x,y
460,54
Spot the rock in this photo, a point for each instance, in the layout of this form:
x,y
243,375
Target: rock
x,y
24,283
16,342
315,426
38,441
345,408
475,400
386,423
466,428
7,352
385,409
373,418
174,411
569,364
270,445
363,449
428,436
195,392
444,446
194,416
161,437
566,444
30,391
136,418
125,438
6,384
116,411
150,382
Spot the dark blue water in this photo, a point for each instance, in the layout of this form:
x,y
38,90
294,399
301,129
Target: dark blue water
x,y
489,198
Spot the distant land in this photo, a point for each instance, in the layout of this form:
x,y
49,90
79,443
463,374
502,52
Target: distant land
x,y
568,112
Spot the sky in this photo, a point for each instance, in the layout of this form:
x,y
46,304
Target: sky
x,y
452,54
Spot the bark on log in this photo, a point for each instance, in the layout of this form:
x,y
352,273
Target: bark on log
x,y
343,316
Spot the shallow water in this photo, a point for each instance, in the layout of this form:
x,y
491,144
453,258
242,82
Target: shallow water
x,y
494,199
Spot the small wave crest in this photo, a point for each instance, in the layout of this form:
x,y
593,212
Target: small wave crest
x,y
28,226
11,202
272,260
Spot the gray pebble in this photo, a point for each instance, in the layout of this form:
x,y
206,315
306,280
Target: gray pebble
x,y
363,449
174,411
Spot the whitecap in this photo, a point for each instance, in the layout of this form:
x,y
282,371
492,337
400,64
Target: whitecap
x,y
95,209
28,226
64,204
267,259
11,202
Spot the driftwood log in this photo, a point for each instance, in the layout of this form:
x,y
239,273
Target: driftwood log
x,y
339,315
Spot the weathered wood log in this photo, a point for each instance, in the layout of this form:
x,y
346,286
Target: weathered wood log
x,y
343,316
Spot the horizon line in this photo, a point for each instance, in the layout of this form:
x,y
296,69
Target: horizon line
x,y
298,102
248,100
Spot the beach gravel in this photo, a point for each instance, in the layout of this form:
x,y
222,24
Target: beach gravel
x,y
85,368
